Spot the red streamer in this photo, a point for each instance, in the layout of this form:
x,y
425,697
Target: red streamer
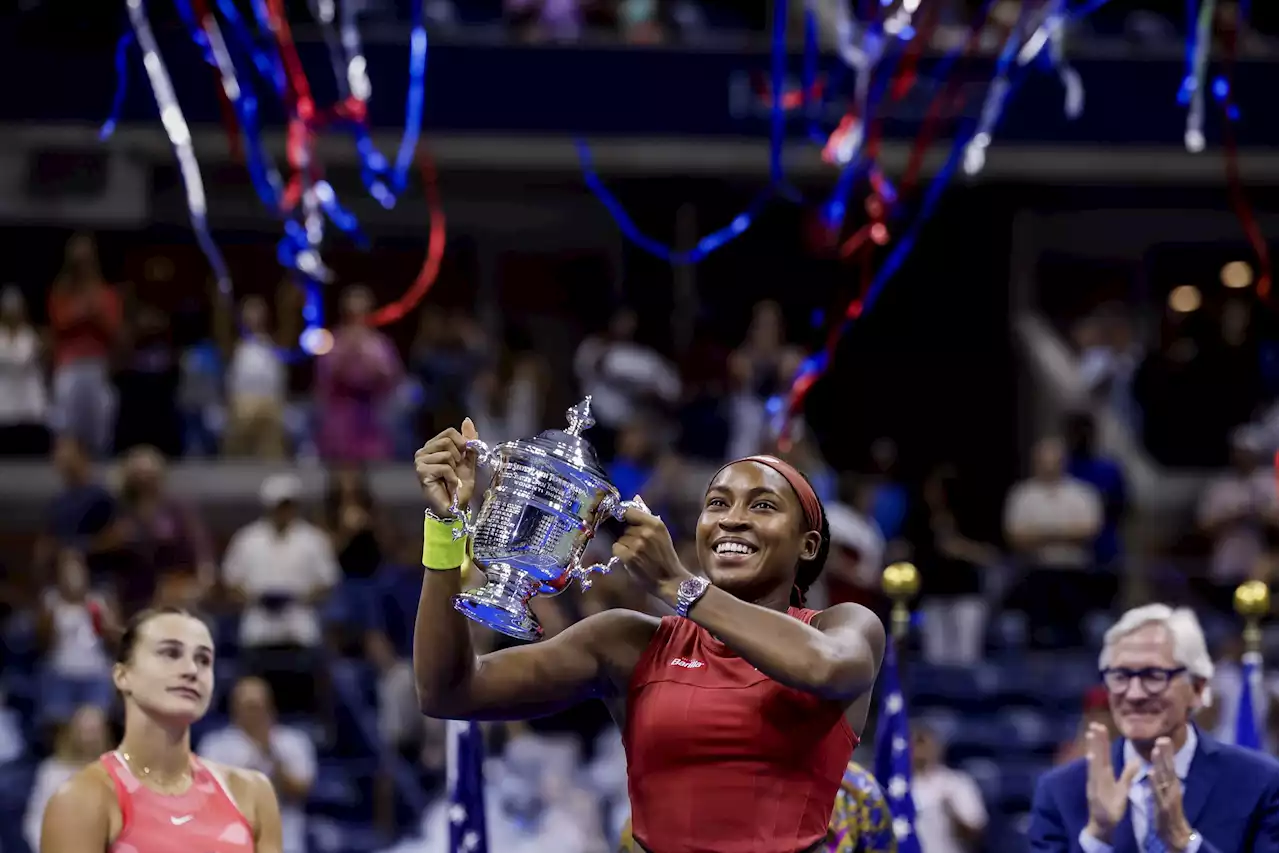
x,y
1240,201
430,271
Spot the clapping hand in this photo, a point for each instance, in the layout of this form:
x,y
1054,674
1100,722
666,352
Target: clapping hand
x,y
1107,796
1166,796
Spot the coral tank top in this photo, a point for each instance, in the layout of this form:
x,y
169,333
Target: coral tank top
x,y
203,819
723,759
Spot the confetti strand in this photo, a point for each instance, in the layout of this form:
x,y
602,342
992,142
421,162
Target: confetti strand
x,y
175,126
1192,91
740,223
436,241
1231,154
122,86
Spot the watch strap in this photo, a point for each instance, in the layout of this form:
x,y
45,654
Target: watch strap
x,y
688,594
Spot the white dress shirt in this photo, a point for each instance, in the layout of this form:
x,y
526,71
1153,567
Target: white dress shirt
x,y
1140,802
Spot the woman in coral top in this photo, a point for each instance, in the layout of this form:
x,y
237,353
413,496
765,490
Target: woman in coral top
x,y
152,795
739,714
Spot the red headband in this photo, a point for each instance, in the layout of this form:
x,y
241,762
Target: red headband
x,y
808,498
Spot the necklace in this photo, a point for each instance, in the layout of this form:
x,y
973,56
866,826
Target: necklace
x,y
181,781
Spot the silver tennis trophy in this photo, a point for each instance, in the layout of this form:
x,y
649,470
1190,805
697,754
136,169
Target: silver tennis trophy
x,y
546,498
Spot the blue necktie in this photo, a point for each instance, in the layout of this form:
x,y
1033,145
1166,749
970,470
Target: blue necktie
x,y
1152,843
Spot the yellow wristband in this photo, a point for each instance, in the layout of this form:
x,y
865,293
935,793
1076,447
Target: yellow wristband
x,y
440,551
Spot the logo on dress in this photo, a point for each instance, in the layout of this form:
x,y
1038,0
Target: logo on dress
x,y
179,821
687,663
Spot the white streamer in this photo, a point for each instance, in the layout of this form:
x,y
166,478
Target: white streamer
x,y
175,127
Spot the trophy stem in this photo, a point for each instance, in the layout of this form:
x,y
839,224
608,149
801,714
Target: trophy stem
x,y
502,604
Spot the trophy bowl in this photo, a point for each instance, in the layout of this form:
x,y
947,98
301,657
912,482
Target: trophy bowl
x,y
546,498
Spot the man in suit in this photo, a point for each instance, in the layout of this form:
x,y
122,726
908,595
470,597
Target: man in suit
x,y
1165,786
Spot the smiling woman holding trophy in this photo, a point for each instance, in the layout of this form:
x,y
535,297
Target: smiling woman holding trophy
x,y
739,714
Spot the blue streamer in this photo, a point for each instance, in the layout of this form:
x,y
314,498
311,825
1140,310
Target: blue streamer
x,y
741,223
705,246
268,63
122,85
262,169
413,101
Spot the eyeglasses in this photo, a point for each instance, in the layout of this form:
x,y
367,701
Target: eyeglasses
x,y
1154,679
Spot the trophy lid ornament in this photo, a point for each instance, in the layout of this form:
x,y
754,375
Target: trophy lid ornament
x,y
579,417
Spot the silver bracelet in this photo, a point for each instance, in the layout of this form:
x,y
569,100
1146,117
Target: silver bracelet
x,y
442,519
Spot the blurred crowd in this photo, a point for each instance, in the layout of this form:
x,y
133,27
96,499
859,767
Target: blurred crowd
x,y
314,600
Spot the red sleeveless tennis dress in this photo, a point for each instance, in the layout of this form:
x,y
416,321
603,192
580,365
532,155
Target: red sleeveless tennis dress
x,y
723,759
203,819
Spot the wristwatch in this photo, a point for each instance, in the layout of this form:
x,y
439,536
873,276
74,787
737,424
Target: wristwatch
x,y
688,593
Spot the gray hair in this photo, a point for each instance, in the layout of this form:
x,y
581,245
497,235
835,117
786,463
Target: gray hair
x,y
1189,647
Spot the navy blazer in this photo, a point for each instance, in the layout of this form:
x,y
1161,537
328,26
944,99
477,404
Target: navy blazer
x,y
1231,796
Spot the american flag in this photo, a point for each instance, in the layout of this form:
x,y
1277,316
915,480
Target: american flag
x,y
466,788
893,754
1246,715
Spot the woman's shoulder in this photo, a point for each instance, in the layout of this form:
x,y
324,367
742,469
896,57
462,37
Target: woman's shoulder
x,y
89,792
246,787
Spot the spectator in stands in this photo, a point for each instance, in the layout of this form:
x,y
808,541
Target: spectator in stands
x,y
757,371
1238,513
354,530
449,354
82,514
255,740
1051,521
1106,476
24,400
1093,710
167,557
1227,683
1180,789
953,562
280,568
401,725
81,740
76,670
951,816
625,379
857,551
890,502
147,386
506,401
84,317
355,384
257,383
1109,357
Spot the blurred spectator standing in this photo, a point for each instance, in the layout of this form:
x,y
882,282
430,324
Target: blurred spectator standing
x,y
857,552
953,563
355,383
624,378
85,317
24,400
166,555
357,537
1238,514
1227,684
1087,465
255,740
448,357
147,385
1109,357
80,741
257,383
890,500
505,401
82,514
757,371
281,568
76,670
950,813
1051,521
